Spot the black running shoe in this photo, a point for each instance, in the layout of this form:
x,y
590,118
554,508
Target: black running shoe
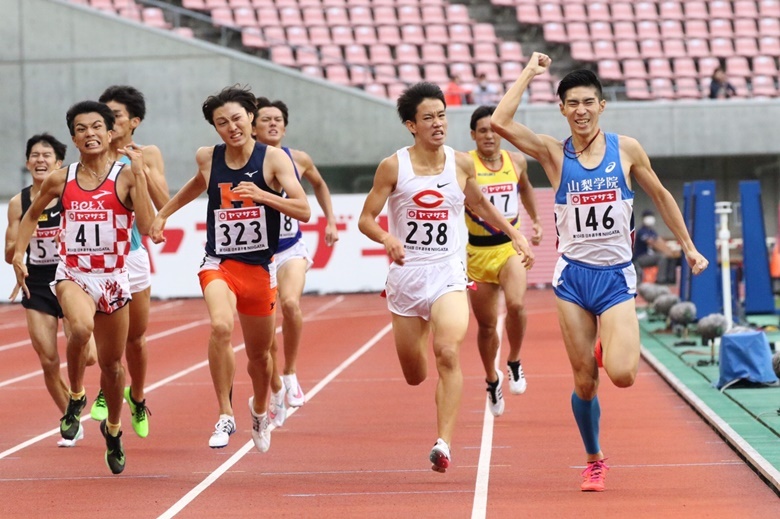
x,y
115,454
69,424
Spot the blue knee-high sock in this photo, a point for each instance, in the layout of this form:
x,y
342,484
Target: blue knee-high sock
x,y
587,414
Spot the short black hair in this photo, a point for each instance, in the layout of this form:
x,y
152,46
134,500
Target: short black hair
x,y
129,96
232,94
411,98
88,107
479,113
58,147
264,102
577,78
647,212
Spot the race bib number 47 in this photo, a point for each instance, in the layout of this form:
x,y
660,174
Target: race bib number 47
x,y
240,230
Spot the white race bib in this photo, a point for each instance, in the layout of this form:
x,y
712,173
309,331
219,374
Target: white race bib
x,y
288,227
593,213
43,246
428,230
503,197
240,230
89,231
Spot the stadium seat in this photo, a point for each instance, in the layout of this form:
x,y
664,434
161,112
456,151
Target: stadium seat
x,y
637,89
671,10
356,55
720,9
598,12
463,33
412,34
696,28
319,35
741,86
216,4
549,12
721,47
529,14
313,71
266,17
274,35
187,32
436,73
510,71
232,3
222,17
541,92
384,15
457,13
511,51
365,35
684,67
746,47
342,35
290,17
627,49
662,88
463,71
746,9
687,88
243,16
297,36
672,29
769,27
707,66
763,86
582,51
624,30
601,31
360,15
609,70
252,37
336,16
337,74
388,34
556,32
436,34
406,53
332,3
622,12
409,73
769,46
376,89
647,30
432,15
571,12
695,10
359,75
154,17
604,49
409,15
195,5
675,48
130,13
460,52
721,28
394,90
385,74
660,68
433,53
307,56
331,55
765,66
738,66
283,55
697,47
489,69
769,8
746,27
380,54
634,69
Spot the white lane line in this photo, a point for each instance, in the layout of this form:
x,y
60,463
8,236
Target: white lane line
x,y
23,342
154,386
342,494
152,337
211,478
479,507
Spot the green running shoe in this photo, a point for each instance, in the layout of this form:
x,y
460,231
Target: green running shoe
x,y
99,411
115,454
140,414
70,424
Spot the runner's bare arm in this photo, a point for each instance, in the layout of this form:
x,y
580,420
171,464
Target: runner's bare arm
x,y
384,183
14,216
310,172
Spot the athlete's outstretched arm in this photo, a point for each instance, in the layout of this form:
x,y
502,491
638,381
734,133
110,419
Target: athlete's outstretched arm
x,y
384,183
139,191
14,216
155,176
310,172
527,196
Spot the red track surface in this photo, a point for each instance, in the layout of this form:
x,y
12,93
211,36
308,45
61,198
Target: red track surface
x,y
359,446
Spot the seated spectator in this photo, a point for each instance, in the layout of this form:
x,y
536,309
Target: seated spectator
x,y
485,93
650,250
720,88
455,94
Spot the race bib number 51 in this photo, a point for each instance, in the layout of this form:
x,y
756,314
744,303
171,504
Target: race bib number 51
x,y
240,230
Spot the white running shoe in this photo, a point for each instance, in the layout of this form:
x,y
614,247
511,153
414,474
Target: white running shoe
x,y
277,411
496,395
517,383
440,456
261,428
62,442
222,431
295,397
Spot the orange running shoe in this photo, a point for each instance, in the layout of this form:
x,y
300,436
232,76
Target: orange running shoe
x,y
598,353
594,475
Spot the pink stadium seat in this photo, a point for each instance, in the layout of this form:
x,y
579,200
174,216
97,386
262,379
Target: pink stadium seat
x,y
510,70
384,15
356,55
406,53
647,30
541,92
283,55
598,12
222,16
511,51
380,54
721,47
769,27
745,9
231,3
571,12
130,13
769,46
274,35
436,34
609,70
637,89
251,37
746,47
489,69
769,8
695,10
395,90
388,34
622,12
376,89
359,75
549,12
412,34
358,3
297,36
383,3
627,49
707,66
457,13
738,66
195,5
687,88
672,29
365,35
697,47
763,86
485,32
464,71
765,66
684,67
741,86
337,74
662,88
696,29
279,4
332,3
529,14
555,32
432,14
342,35
660,67
290,16
461,53
462,33
331,54
582,51
313,16
266,17
601,30
604,49
216,4
436,73
675,48
189,33
385,74
645,11
312,71
433,53
634,69
319,35
721,28
409,15
409,73
154,17
671,10
360,15
307,56
245,17
337,16
747,27
720,9
624,30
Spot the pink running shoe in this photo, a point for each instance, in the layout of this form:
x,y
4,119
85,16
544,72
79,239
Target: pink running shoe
x,y
594,475
597,352
440,456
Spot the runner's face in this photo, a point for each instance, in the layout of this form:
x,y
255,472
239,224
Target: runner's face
x,y
430,122
123,125
269,127
233,124
91,135
488,142
42,161
582,109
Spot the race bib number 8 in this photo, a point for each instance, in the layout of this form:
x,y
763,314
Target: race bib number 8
x,y
43,247
289,227
593,215
240,230
89,231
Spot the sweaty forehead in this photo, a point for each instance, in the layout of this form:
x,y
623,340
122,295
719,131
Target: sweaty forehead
x,y
430,106
87,119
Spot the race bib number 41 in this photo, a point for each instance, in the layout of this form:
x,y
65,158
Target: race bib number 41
x,y
240,230
89,231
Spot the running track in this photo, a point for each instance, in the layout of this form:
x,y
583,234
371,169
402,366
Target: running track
x,y
359,446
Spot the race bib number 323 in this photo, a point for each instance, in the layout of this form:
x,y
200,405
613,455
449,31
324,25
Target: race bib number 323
x,y
240,230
